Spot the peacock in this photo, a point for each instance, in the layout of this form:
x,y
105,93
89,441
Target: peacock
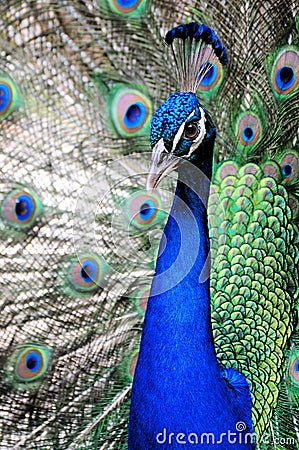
x,y
179,386
80,82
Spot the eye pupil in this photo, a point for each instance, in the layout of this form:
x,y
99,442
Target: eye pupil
x,y
287,170
31,363
133,113
145,208
86,272
286,74
191,130
21,208
248,132
209,73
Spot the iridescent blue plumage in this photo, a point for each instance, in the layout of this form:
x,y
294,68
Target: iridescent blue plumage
x,y
170,115
180,392
179,386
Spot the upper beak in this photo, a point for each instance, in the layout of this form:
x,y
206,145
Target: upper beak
x,y
162,164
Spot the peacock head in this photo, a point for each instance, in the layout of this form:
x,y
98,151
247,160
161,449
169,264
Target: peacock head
x,y
181,130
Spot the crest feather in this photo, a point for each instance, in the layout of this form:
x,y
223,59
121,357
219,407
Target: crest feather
x,y
194,48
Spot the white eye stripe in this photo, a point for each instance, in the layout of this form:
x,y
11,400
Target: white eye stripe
x,y
198,139
202,127
178,137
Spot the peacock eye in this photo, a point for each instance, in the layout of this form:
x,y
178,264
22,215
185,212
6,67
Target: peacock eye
x,y
9,96
191,130
143,210
21,208
294,368
87,273
29,365
284,74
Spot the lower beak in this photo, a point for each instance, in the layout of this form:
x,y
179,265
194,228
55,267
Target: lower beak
x,y
162,164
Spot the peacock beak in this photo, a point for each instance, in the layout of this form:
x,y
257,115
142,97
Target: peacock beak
x,y
163,163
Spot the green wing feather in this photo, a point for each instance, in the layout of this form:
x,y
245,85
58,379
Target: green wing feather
x,y
254,216
254,284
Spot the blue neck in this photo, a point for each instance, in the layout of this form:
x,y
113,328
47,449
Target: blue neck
x,y
178,383
178,300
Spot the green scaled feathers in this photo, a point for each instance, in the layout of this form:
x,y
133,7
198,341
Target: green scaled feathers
x,y
254,281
